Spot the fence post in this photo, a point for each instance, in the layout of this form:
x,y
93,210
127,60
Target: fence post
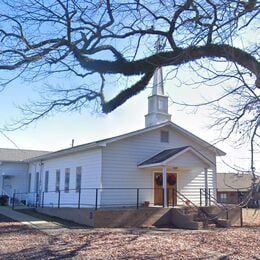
x,y
43,199
209,197
163,197
200,197
58,199
137,198
241,216
206,197
79,198
13,200
96,199
227,214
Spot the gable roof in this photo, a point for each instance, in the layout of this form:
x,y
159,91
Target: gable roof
x,y
104,142
18,155
164,157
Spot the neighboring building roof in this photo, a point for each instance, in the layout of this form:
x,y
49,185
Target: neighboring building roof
x,y
104,142
164,157
18,155
234,181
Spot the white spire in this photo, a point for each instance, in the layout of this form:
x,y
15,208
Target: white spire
x,y
157,102
158,82
158,75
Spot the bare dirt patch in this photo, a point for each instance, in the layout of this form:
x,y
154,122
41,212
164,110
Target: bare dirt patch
x,y
19,241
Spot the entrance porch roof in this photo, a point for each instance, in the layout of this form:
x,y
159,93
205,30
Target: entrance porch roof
x,y
171,156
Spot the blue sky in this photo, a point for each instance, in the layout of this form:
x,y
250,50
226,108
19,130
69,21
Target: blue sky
x,y
56,132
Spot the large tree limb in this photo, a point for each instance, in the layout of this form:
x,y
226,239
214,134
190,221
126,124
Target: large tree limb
x,y
177,57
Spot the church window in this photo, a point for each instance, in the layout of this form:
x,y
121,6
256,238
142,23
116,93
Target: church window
x,y
164,136
67,180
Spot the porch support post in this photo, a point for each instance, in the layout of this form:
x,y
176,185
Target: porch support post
x,y
164,173
206,185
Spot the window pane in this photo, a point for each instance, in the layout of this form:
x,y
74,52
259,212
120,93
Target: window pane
x,y
78,178
57,186
164,136
67,180
223,197
46,183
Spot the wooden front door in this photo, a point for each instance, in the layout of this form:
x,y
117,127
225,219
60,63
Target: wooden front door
x,y
171,189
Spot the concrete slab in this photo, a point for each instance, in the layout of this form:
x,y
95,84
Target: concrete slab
x,y
42,225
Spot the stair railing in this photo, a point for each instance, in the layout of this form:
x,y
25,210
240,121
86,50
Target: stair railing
x,y
192,205
213,200
205,214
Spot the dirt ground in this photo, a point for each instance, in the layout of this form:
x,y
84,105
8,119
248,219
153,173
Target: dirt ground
x,y
251,217
18,241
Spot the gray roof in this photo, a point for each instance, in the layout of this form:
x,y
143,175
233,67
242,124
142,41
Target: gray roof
x,y
18,155
162,156
233,181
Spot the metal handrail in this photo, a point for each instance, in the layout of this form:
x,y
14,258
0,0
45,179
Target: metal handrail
x,y
216,203
205,213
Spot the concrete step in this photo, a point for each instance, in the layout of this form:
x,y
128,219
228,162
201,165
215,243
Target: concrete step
x,y
210,226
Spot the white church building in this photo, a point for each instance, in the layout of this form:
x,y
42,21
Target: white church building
x,y
161,164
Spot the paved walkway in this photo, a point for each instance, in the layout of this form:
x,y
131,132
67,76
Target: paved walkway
x,y
42,225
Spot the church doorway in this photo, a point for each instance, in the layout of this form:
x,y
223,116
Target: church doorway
x,y
171,189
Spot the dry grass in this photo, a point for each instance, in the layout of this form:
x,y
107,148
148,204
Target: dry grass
x,y
251,217
21,242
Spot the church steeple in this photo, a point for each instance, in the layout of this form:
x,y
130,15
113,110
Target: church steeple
x,y
157,102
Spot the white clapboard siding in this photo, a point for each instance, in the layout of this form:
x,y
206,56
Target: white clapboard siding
x,y
189,184
116,166
120,160
90,161
18,176
189,159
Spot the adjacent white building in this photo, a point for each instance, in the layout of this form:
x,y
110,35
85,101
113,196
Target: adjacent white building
x,y
14,170
162,164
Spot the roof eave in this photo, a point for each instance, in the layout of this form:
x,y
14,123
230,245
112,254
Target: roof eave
x,y
166,161
65,152
151,165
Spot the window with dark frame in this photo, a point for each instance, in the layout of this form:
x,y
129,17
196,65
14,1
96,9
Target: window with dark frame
x,y
223,197
164,136
78,178
57,183
46,181
67,180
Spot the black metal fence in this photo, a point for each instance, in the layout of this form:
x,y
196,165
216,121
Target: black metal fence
x,y
240,197
91,198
